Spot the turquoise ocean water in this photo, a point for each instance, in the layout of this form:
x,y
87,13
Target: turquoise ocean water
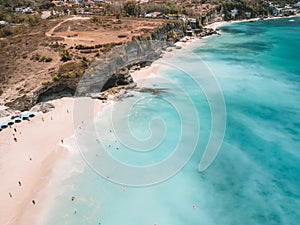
x,y
254,178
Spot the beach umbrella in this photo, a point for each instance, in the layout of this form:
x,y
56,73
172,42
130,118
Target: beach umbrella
x,y
25,116
17,120
10,122
3,125
31,114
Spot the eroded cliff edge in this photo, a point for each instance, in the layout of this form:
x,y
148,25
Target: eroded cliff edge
x,y
108,70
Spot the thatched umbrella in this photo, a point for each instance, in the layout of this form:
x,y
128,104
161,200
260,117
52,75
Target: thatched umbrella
x,y
17,120
10,122
3,125
24,116
31,114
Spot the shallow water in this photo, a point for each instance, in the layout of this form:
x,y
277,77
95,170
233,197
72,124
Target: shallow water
x,y
255,177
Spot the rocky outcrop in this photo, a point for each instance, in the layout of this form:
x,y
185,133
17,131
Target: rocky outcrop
x,y
43,107
22,103
64,87
207,32
120,78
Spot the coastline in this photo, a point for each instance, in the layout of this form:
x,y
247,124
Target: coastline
x,y
36,174
186,41
216,25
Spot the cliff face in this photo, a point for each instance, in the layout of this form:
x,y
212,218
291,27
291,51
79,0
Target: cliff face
x,y
53,90
112,69
109,69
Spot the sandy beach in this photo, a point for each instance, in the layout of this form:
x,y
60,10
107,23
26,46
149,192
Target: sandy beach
x,y
27,163
216,25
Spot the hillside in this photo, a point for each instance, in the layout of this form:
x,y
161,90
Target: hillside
x,y
10,5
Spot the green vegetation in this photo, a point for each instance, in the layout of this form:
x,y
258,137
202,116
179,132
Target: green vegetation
x,y
70,69
95,19
118,16
65,56
256,9
46,82
107,47
84,47
37,57
132,8
10,5
168,7
7,31
16,22
55,77
85,59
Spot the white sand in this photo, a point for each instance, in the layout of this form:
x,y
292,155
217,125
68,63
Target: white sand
x,y
39,141
216,25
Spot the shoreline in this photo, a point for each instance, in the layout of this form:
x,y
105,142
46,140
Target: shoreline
x,y
216,25
37,174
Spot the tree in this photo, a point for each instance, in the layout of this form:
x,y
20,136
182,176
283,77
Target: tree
x,y
131,8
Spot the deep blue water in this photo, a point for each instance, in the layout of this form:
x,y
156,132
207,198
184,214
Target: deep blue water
x,y
254,178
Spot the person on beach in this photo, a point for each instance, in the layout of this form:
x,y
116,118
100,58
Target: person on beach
x,y
20,184
15,139
10,195
33,202
15,129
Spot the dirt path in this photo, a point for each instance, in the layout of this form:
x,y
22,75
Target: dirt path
x,y
50,33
